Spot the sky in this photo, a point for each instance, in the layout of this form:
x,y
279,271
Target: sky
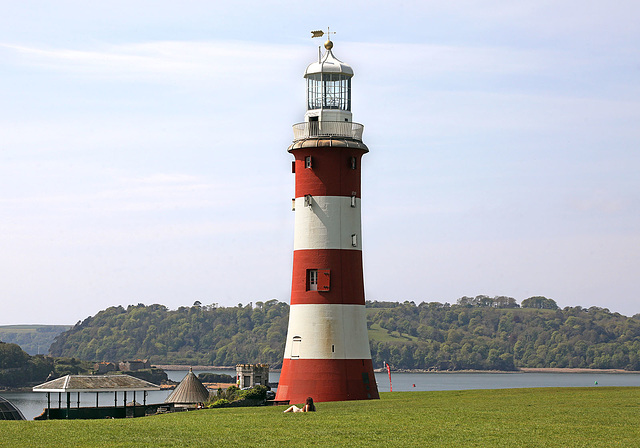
x,y
143,150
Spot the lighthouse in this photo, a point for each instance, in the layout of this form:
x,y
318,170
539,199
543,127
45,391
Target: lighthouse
x,y
327,355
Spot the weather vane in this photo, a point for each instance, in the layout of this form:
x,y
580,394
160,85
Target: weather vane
x,y
320,33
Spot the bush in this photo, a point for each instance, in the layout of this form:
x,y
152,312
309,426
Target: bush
x,y
255,393
220,403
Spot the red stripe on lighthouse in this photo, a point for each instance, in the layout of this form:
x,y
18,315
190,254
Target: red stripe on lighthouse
x,y
346,283
331,172
327,380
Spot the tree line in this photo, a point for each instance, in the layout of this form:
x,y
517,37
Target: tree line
x,y
196,335
485,337
479,332
19,369
33,339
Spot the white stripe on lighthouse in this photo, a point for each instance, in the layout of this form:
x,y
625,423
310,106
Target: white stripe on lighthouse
x,y
328,223
327,332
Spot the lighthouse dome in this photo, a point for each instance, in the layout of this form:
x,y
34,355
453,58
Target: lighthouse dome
x,y
328,63
328,88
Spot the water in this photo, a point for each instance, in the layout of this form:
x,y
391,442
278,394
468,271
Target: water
x,y
403,382
31,404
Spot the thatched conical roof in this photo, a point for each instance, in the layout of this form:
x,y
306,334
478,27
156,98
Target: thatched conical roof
x,y
189,391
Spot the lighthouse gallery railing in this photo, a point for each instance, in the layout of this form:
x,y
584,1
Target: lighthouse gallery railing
x,y
312,129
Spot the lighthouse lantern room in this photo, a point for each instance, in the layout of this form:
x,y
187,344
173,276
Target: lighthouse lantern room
x,y
327,355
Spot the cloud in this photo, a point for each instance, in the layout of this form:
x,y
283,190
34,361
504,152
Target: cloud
x,y
160,61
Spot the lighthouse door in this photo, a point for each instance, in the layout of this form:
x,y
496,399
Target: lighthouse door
x,y
314,126
295,347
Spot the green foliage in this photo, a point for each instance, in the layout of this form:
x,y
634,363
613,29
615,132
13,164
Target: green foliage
x,y
255,393
233,396
479,333
71,366
486,301
18,369
480,336
12,356
546,417
219,403
540,302
207,377
205,335
223,397
33,339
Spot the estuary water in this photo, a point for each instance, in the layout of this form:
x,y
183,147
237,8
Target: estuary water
x,y
32,404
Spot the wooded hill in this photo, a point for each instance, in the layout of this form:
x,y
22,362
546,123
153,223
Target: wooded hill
x,y
33,339
19,369
476,333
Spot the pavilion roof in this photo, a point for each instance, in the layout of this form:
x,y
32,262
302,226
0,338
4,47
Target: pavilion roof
x,y
95,383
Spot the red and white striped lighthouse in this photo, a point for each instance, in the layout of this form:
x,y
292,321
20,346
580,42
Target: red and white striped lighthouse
x,y
327,355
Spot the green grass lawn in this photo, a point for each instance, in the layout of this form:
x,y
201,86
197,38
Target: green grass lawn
x,y
545,417
379,334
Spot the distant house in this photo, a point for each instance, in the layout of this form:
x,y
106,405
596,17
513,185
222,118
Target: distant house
x,y
101,368
132,366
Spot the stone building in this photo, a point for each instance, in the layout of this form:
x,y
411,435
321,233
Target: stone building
x,y
249,375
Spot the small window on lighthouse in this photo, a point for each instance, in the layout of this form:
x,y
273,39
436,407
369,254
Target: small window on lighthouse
x,y
312,280
354,240
307,162
353,200
353,163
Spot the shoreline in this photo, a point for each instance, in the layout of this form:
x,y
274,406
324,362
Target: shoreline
x,y
178,367
572,370
519,370
174,367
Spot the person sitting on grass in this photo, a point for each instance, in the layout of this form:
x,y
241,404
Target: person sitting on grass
x,y
308,407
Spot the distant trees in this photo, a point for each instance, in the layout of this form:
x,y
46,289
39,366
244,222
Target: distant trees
x,y
201,334
18,369
486,301
33,339
539,302
476,333
207,377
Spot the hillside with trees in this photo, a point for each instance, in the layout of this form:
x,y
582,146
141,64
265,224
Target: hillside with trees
x,y
33,339
19,369
196,335
479,332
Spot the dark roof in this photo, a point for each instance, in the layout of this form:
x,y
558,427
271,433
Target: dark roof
x,y
95,383
8,411
189,391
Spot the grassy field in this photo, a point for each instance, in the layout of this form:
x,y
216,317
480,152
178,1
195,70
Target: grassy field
x,y
568,417
379,334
